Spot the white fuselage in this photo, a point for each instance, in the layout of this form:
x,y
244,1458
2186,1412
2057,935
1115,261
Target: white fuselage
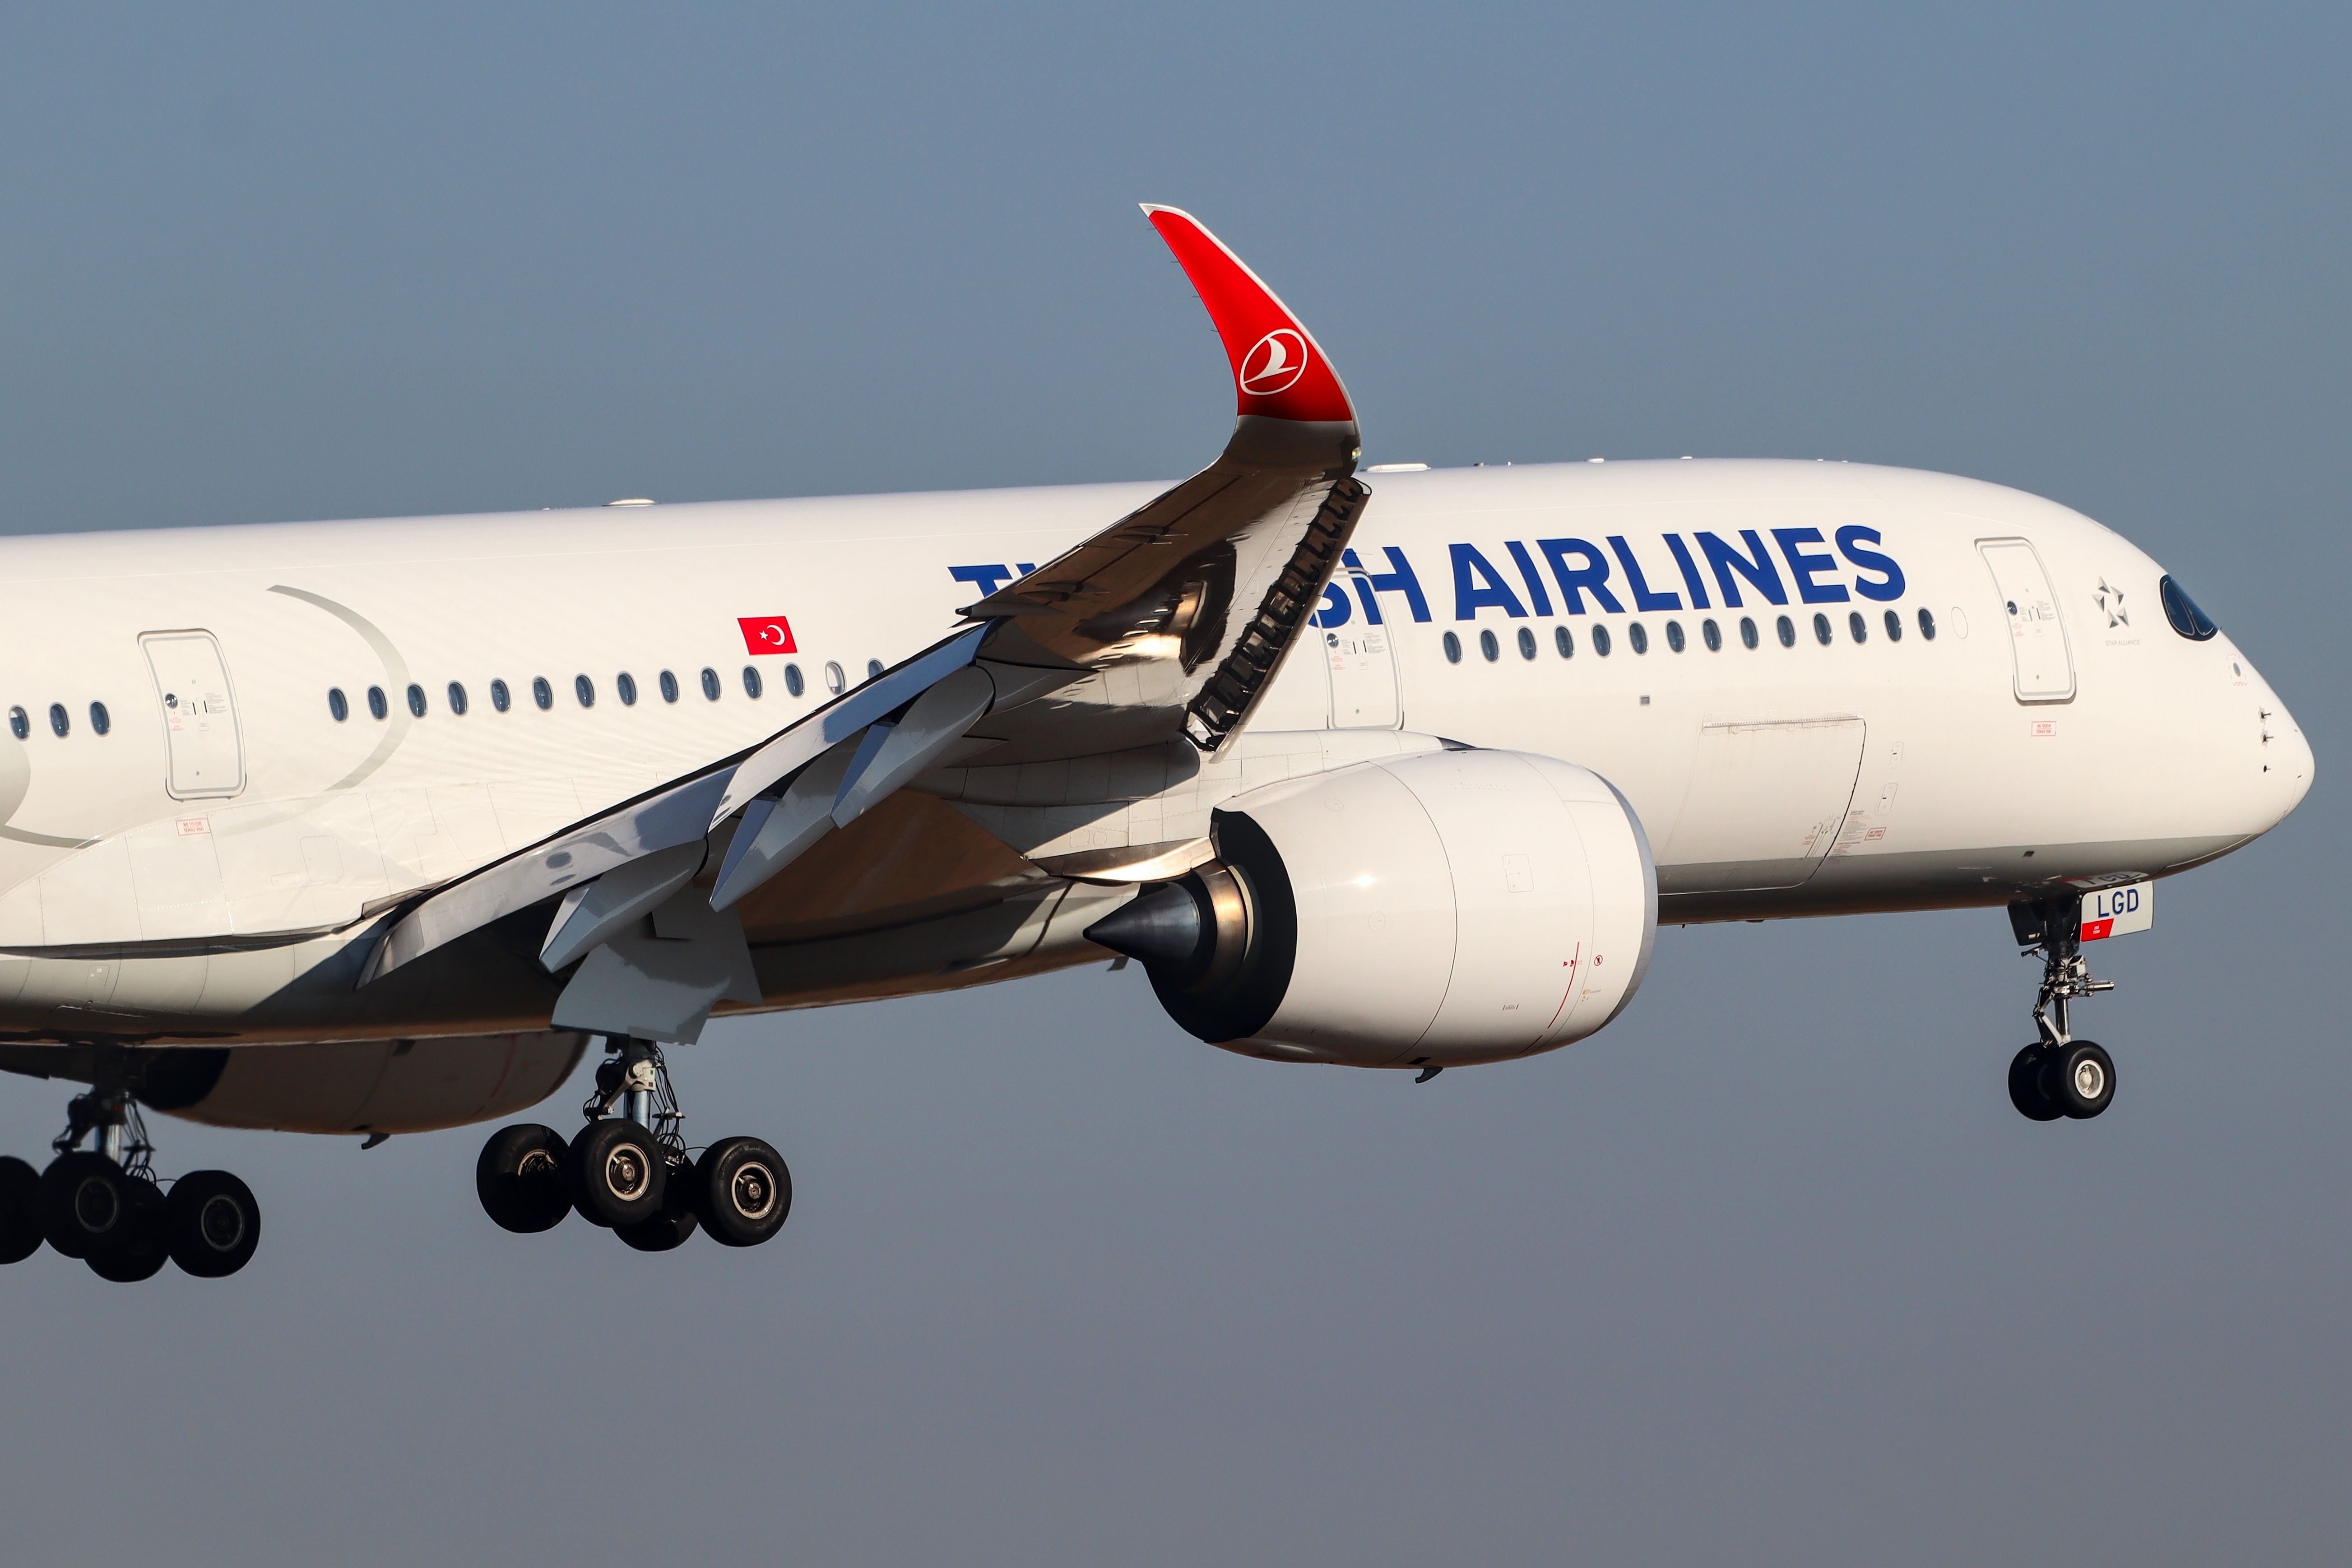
x,y
209,867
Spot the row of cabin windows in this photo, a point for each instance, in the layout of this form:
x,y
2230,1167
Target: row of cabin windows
x,y
1638,636
20,723
583,690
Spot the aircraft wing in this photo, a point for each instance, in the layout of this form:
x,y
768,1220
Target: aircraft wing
x,y
1169,622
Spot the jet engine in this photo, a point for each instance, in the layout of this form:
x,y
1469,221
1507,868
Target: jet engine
x,y
359,1085
1429,910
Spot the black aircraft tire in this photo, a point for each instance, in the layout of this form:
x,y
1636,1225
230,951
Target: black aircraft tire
x,y
675,1225
2025,1087
744,1190
80,1202
20,1214
213,1223
521,1178
137,1247
2080,1079
616,1173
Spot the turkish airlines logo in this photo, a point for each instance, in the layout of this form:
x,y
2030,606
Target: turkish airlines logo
x,y
767,634
1273,363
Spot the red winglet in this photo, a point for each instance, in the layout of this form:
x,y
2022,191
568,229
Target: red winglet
x,y
1279,370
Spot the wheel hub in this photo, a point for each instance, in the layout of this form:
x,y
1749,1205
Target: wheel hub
x,y
221,1223
95,1206
2089,1079
626,1173
753,1191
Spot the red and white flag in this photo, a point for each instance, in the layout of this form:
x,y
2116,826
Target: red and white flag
x,y
767,634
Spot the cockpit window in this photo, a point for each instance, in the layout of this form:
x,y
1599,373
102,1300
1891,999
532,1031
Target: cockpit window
x,y
2182,612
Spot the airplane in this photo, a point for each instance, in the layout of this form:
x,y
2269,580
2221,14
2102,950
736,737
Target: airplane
x,y
371,827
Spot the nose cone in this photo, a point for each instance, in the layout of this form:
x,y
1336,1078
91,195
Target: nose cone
x,y
2292,761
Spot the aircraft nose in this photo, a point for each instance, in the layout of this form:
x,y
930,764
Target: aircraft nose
x,y
2289,758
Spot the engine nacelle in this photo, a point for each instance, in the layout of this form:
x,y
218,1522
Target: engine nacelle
x,y
359,1085
1428,911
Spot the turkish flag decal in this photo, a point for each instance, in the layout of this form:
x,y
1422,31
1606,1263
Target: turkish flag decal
x,y
767,634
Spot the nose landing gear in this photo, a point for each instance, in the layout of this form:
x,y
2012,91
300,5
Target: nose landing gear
x,y
104,1205
2058,1075
629,1170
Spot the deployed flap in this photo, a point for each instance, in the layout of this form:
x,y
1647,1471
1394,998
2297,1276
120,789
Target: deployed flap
x,y
774,833
677,814
936,719
617,899
660,980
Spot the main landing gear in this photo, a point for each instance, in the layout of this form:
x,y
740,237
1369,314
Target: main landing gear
x,y
628,1169
2058,1075
104,1206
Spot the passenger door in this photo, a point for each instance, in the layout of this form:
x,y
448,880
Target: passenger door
x,y
2045,669
1363,677
200,733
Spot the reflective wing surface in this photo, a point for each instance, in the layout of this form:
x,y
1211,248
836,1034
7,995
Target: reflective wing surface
x,y
1170,623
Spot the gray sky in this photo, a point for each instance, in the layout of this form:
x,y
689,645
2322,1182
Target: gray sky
x,y
1769,1272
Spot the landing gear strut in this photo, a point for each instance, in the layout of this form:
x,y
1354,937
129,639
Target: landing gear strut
x,y
2058,1075
104,1206
629,1169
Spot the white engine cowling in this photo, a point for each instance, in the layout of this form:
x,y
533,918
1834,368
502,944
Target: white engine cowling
x,y
1427,910
360,1085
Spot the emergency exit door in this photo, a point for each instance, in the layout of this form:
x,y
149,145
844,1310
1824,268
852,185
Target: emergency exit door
x,y
200,735
2037,638
1363,677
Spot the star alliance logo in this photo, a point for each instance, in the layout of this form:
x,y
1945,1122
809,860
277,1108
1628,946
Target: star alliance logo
x,y
2111,604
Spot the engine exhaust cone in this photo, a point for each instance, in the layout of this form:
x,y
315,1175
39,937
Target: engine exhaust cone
x,y
1163,927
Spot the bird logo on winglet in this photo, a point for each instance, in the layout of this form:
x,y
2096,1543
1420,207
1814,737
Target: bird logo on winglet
x,y
1273,363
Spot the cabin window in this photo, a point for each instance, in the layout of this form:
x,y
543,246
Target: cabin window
x,y
377,703
1926,623
669,687
1489,646
1527,643
834,680
1787,630
457,699
1452,649
752,685
100,721
416,700
500,697
1600,641
60,719
584,691
20,723
1856,626
627,684
1894,626
337,705
710,684
1713,635
1747,637
2182,612
1564,642
1639,636
1822,633
541,692
795,681
1675,636
873,669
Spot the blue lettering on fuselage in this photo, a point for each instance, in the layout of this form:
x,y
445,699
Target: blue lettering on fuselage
x,y
986,580
1713,570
